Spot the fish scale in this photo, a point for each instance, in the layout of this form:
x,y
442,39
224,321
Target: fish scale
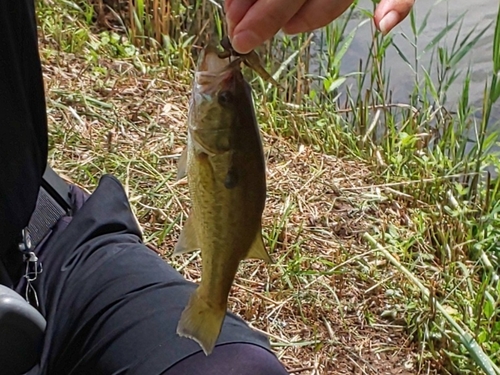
x,y
225,165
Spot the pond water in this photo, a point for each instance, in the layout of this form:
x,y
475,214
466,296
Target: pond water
x,y
479,13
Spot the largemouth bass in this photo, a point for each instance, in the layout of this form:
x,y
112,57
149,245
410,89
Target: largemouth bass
x,y
225,165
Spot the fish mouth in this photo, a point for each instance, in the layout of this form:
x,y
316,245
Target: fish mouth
x,y
214,72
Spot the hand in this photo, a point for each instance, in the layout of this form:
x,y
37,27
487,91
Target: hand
x,y
252,22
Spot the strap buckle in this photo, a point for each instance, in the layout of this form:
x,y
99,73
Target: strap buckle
x,y
52,203
33,266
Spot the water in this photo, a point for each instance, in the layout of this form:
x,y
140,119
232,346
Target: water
x,y
478,14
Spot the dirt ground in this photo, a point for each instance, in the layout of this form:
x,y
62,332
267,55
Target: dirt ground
x,y
326,303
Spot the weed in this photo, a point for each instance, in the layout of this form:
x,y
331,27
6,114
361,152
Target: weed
x,y
383,217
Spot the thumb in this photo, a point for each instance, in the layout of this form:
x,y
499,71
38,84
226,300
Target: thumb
x,y
389,13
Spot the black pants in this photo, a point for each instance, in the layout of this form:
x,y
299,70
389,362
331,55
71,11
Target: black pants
x,y
111,304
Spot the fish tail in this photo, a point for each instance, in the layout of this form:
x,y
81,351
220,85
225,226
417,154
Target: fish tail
x,y
201,322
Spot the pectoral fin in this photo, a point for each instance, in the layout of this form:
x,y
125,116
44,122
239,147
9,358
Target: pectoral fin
x,y
187,240
258,251
182,165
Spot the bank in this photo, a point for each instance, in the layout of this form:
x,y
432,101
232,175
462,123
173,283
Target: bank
x,y
384,240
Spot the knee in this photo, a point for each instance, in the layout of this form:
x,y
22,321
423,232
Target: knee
x,y
231,359
247,359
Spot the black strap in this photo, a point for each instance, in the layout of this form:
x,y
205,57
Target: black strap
x,y
57,188
53,202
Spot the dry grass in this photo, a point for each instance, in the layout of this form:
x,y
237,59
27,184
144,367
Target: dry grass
x,y
329,304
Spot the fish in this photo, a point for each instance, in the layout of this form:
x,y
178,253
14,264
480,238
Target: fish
x,y
226,173
250,59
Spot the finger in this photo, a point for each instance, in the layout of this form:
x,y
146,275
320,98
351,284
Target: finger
x,y
315,14
262,21
389,13
235,10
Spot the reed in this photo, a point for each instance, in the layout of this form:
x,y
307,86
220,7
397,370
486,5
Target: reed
x,y
429,162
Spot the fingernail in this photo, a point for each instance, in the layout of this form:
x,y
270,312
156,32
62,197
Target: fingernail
x,y
245,41
390,20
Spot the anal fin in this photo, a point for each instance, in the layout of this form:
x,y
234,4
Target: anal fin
x,y
182,164
258,250
187,240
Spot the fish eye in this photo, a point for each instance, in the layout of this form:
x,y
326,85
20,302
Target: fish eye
x,y
225,98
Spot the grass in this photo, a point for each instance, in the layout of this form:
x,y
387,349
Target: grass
x,y
382,219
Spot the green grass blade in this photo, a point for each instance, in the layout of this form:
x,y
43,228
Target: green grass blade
x,y
347,43
496,45
480,358
465,49
441,35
